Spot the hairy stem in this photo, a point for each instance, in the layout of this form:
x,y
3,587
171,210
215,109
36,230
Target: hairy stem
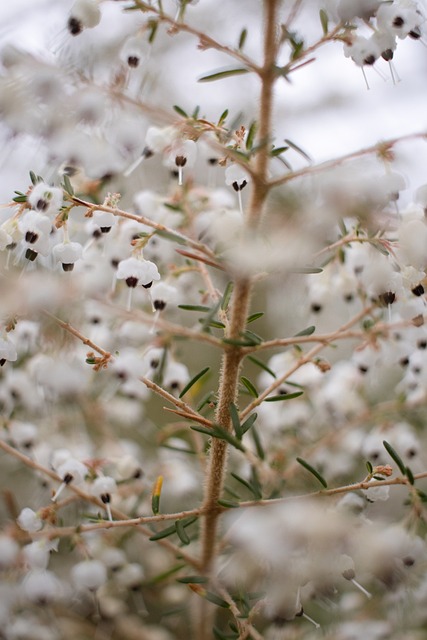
x,y
234,354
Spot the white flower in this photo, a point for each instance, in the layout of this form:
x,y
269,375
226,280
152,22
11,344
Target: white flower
x,y
157,139
7,351
104,219
162,295
67,253
401,18
37,553
22,434
134,50
130,576
33,226
45,199
137,271
83,14
103,487
377,493
41,586
236,176
363,51
9,550
29,521
182,153
89,574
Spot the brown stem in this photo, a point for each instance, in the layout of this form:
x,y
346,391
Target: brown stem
x,y
234,354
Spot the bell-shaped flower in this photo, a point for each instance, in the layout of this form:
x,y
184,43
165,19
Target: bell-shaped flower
x,y
137,271
88,574
45,199
182,153
29,521
400,18
7,350
103,487
33,226
236,176
134,50
70,471
84,14
67,253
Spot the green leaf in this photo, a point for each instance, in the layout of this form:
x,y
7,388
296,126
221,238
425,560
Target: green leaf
x,y
254,316
221,434
212,597
242,39
253,488
165,533
251,135
215,324
393,454
193,307
276,151
181,532
249,422
193,580
20,199
67,186
410,476
171,236
227,295
313,471
223,117
166,574
284,396
249,386
219,635
153,30
180,111
258,444
324,21
193,381
206,399
298,149
196,112
229,504
369,467
262,366
234,415
306,332
223,73
33,178
253,337
306,270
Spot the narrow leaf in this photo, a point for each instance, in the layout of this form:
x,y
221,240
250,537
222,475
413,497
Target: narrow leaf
x,y
20,199
193,381
223,117
242,39
324,21
250,335
306,270
369,467
229,504
253,489
284,396
249,386
180,111
193,307
247,424
195,113
193,580
181,532
258,444
33,178
234,415
223,73
212,597
254,317
171,236
227,295
313,471
306,332
393,454
68,187
261,365
276,151
165,533
251,135
298,149
410,476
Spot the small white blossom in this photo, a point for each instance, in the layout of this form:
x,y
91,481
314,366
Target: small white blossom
x,y
89,574
28,520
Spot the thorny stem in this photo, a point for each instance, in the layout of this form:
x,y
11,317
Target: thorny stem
x,y
233,355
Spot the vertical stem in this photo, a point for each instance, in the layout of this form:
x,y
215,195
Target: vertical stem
x,y
233,355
